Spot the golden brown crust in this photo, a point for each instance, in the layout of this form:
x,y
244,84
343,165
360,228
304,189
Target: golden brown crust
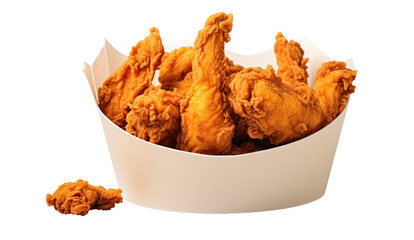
x,y
79,197
205,121
175,66
131,78
333,85
155,116
215,105
291,66
273,109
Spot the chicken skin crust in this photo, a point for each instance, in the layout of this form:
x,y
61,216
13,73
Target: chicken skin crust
x,y
155,116
178,64
131,78
333,85
175,65
291,67
273,109
206,125
79,197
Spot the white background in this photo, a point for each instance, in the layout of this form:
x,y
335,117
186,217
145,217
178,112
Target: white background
x,y
50,131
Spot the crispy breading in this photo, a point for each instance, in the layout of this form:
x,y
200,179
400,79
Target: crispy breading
x,y
79,197
131,78
206,125
273,109
155,116
333,85
291,66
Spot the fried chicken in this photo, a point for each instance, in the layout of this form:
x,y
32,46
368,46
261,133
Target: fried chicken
x,y
79,197
206,125
273,109
333,85
155,116
208,104
291,65
131,78
182,86
175,66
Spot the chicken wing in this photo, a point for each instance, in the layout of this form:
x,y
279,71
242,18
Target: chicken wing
x,y
291,67
131,78
333,85
206,126
175,65
273,109
79,197
155,116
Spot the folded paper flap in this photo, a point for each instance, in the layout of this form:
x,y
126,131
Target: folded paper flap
x,y
100,70
115,58
88,73
350,63
108,60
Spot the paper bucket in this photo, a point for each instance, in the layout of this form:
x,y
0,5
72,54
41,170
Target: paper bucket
x,y
158,177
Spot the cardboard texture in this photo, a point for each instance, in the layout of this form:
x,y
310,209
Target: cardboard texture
x,y
158,177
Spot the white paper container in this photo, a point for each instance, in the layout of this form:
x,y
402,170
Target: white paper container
x,y
158,177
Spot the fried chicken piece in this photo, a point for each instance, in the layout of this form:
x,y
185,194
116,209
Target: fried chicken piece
x,y
206,125
131,78
175,66
155,116
291,65
273,109
79,197
182,86
333,85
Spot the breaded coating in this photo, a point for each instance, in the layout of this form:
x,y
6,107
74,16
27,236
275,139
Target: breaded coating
x,y
206,125
175,66
79,197
230,67
273,109
155,116
131,78
333,85
291,67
